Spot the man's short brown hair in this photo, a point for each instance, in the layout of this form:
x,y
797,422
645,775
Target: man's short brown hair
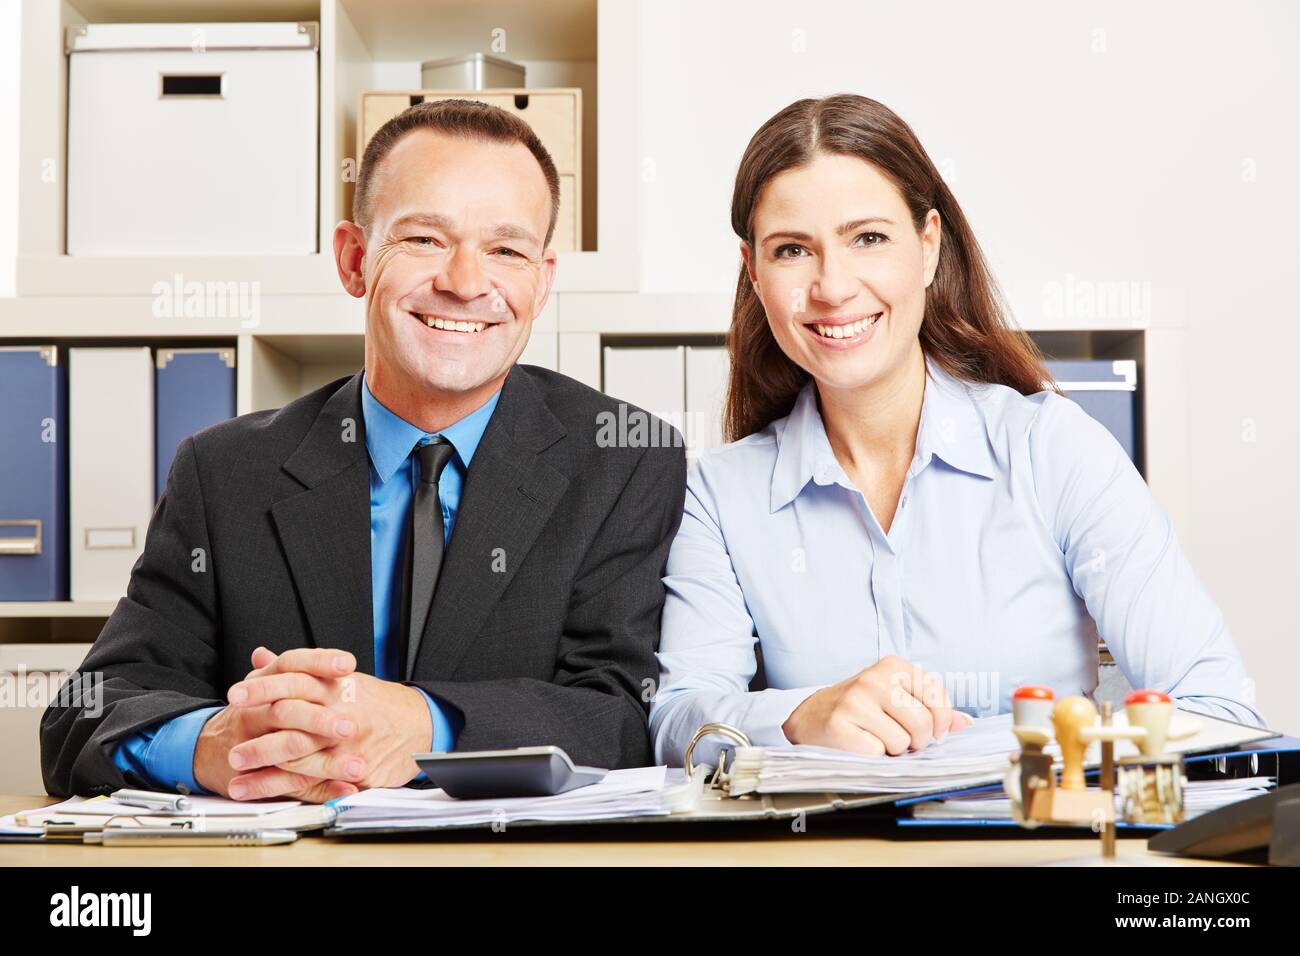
x,y
468,118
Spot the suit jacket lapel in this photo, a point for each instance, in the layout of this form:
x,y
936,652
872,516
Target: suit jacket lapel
x,y
509,495
325,529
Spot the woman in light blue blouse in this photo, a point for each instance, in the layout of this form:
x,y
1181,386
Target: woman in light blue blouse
x,y
905,520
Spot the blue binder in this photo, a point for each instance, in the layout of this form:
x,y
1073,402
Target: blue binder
x,y
33,474
1106,390
194,388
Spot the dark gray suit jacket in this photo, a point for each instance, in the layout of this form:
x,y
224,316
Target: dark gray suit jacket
x,y
545,618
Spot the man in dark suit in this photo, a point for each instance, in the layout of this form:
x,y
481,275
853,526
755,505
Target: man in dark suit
x,y
315,544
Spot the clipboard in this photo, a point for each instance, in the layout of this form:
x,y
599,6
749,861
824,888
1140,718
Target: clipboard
x,y
72,826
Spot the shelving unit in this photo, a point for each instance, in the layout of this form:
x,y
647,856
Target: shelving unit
x,y
299,298
306,330
560,42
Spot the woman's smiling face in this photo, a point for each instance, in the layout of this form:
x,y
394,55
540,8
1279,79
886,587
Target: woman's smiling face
x,y
840,269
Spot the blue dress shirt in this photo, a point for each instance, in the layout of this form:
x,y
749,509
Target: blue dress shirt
x,y
164,753
1022,531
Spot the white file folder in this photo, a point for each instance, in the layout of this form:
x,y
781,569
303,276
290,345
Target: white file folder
x,y
707,368
110,420
650,377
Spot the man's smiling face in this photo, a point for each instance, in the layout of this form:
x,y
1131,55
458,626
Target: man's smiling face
x,y
455,266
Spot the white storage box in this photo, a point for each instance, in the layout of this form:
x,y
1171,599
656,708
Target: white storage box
x,y
192,139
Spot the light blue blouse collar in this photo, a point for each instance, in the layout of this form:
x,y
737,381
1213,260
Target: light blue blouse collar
x,y
951,429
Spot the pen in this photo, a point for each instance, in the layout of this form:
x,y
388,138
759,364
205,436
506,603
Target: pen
x,y
77,828
161,802
189,838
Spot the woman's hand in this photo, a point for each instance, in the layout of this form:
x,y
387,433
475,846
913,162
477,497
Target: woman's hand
x,y
888,708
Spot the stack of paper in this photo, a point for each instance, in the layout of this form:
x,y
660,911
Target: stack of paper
x,y
1199,796
622,794
970,757
977,754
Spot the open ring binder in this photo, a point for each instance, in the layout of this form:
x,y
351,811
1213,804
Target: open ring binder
x,y
720,779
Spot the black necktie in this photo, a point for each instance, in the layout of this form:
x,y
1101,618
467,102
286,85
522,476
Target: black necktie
x,y
423,551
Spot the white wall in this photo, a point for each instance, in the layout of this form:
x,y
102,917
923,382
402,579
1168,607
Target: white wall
x,y
1108,141
10,31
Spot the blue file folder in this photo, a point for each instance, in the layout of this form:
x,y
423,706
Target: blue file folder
x,y
1106,390
33,474
194,388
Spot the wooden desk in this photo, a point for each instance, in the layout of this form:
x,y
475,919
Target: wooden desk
x,y
873,844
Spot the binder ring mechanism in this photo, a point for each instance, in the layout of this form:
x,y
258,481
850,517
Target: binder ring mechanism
x,y
30,544
720,776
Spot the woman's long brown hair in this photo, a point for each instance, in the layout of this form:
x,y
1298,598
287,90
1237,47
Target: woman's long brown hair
x,y
964,329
